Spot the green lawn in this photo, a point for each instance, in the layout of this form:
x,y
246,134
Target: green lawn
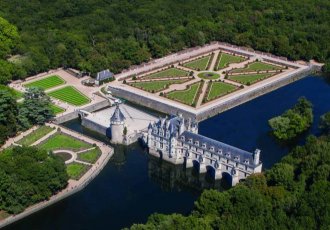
x,y
156,86
76,170
218,89
171,72
13,92
35,135
90,156
250,78
47,83
198,64
56,109
208,75
257,66
70,95
63,141
226,59
186,96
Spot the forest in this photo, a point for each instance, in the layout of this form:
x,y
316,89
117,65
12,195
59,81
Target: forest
x,y
93,35
29,175
293,194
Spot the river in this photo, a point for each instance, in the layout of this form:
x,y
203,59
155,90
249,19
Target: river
x,y
132,186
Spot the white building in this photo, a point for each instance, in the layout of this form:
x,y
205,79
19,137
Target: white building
x,y
176,140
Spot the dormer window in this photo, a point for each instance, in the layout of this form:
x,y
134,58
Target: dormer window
x,y
246,161
204,145
196,143
212,149
155,131
227,154
182,138
190,141
236,158
220,151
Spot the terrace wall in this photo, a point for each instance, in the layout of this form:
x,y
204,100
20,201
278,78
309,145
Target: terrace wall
x,y
149,102
221,107
90,108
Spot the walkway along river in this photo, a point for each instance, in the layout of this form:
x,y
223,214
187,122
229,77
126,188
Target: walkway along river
x,y
131,186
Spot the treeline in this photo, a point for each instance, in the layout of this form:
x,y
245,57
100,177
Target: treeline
x,y
293,194
14,116
29,175
95,34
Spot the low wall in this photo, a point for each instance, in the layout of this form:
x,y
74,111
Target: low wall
x,y
74,114
219,108
93,126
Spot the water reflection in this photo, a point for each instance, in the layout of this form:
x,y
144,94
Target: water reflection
x,y
178,178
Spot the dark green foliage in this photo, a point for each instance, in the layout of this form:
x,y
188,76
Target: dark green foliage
x,y
29,175
294,121
293,194
36,109
94,34
325,123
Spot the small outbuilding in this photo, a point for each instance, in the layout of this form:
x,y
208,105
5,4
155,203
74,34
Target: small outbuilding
x,y
104,76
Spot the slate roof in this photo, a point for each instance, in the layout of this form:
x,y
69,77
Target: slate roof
x,y
117,116
103,75
172,124
233,151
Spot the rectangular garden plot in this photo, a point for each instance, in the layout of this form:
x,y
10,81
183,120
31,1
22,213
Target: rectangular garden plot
x,y
47,83
188,96
249,79
218,89
156,86
90,156
257,66
199,64
70,95
63,141
171,72
35,135
224,60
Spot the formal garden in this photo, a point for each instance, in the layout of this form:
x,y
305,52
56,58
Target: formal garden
x,y
181,81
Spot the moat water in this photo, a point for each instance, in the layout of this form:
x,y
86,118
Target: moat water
x,y
132,186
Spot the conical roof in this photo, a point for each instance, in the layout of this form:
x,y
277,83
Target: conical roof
x,y
117,116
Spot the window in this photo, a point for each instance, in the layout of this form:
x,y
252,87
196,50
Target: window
x,y
220,151
190,141
212,148
161,145
196,143
182,138
204,145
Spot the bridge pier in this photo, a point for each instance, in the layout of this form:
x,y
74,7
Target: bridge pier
x,y
202,168
218,174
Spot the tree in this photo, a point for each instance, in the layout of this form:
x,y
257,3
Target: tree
x,y
36,106
325,123
8,113
8,37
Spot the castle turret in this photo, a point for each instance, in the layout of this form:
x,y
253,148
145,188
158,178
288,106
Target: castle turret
x,y
117,124
256,157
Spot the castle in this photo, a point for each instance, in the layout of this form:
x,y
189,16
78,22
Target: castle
x,y
176,139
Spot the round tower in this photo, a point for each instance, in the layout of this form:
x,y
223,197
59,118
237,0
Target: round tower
x,y
117,125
